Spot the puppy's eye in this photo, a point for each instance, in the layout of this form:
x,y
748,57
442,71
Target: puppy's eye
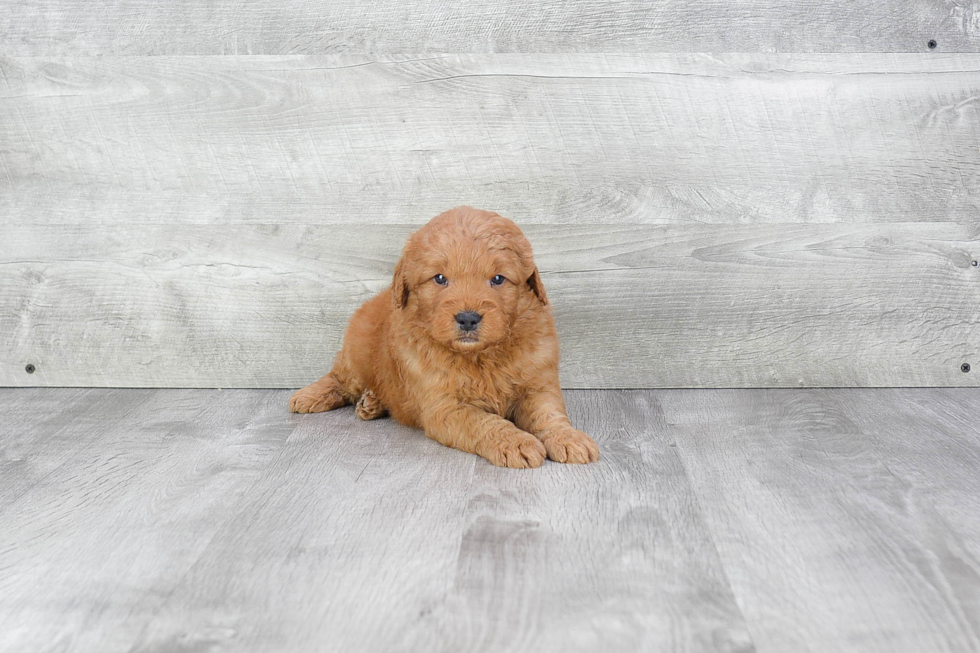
x,y
497,280
440,279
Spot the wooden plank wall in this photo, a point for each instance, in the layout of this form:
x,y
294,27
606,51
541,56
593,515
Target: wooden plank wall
x,y
189,27
200,197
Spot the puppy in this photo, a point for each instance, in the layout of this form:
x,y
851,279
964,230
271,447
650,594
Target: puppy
x,y
462,345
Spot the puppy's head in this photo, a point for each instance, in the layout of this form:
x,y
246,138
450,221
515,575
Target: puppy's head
x,y
466,277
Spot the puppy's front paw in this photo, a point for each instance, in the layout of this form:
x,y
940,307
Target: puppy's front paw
x,y
570,446
316,398
515,449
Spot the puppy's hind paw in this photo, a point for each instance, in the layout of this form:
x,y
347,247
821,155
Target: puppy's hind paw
x,y
571,446
317,398
369,406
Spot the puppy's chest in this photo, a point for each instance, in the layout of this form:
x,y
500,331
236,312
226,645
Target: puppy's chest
x,y
492,387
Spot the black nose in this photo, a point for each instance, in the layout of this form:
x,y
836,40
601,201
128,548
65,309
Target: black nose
x,y
467,320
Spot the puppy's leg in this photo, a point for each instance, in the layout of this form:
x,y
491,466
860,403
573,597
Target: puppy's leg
x,y
369,406
542,412
326,394
469,429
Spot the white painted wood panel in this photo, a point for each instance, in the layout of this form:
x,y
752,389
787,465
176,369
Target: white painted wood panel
x,y
636,305
156,27
174,221
654,138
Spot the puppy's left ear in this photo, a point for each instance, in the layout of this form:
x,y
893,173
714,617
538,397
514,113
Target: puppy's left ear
x,y
399,285
534,283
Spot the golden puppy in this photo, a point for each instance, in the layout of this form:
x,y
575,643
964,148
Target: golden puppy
x,y
463,345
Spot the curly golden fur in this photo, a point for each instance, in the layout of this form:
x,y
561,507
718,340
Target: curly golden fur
x,y
462,345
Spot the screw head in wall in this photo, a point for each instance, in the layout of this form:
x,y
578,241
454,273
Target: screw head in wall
x,y
932,44
965,367
30,368
973,263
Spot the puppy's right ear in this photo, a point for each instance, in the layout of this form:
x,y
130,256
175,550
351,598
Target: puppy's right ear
x,y
534,283
399,285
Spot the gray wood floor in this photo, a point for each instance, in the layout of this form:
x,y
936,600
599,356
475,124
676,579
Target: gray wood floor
x,y
716,520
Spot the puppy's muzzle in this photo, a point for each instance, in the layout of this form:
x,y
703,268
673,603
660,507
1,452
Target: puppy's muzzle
x,y
468,320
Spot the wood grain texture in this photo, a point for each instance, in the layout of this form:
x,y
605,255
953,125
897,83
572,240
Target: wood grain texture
x,y
847,520
124,501
569,139
155,27
370,537
44,431
716,520
357,537
636,305
735,220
